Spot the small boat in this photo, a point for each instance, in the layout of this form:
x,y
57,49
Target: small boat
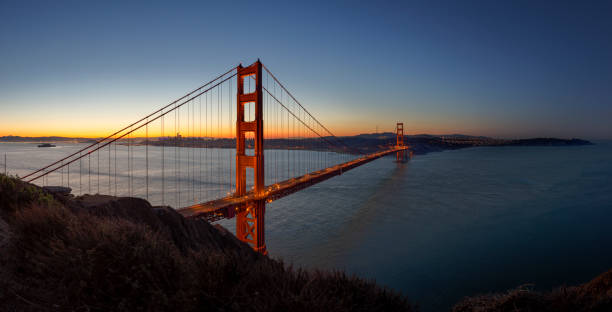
x,y
46,145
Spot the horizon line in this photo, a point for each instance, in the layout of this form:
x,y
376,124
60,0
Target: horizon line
x,y
303,137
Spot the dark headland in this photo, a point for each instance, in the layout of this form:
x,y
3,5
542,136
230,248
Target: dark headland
x,y
103,253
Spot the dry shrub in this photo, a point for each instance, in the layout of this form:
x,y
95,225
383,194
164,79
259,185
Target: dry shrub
x,y
271,286
594,296
57,260
60,259
15,194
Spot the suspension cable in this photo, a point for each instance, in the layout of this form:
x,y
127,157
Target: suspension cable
x,y
110,136
291,95
125,134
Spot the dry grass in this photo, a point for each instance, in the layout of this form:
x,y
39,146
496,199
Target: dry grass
x,y
69,259
595,296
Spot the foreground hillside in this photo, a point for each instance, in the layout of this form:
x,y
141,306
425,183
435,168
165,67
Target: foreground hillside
x,y
101,253
594,296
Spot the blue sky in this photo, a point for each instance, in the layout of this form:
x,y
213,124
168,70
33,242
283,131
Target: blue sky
x,y
513,69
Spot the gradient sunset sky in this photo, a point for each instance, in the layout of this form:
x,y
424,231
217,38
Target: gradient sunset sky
x,y
503,69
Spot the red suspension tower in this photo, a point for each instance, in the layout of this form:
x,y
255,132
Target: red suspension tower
x,y
401,155
250,219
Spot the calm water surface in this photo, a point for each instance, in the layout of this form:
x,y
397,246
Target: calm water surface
x,y
449,224
457,223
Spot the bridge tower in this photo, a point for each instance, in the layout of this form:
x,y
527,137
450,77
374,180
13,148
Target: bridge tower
x,y
401,155
250,219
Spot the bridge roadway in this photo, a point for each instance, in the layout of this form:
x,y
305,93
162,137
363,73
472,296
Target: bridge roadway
x,y
225,208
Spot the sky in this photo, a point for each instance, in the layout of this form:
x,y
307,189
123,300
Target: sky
x,y
510,69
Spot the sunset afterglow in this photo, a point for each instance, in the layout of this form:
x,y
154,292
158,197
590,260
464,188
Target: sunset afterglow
x,y
442,73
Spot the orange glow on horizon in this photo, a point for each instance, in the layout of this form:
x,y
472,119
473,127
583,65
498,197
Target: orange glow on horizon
x,y
139,135
92,134
155,131
354,125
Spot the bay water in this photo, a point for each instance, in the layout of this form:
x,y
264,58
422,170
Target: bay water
x,y
440,227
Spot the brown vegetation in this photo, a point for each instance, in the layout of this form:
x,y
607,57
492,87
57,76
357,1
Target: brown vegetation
x,y
97,253
594,296
101,253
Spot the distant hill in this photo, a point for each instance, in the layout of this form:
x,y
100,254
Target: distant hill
x,y
362,143
12,138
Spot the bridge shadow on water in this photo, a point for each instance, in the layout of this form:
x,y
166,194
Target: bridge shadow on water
x,y
360,223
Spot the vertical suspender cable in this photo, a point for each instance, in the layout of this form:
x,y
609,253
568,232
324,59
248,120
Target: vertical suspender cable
x,y
266,129
219,159
80,174
193,146
98,172
277,136
188,144
129,151
200,150
176,137
115,169
89,174
288,174
147,159
109,169
163,163
193,196
188,151
218,138
207,134
293,143
177,159
207,152
229,124
192,150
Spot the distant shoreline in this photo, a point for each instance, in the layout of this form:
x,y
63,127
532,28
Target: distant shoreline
x,y
363,143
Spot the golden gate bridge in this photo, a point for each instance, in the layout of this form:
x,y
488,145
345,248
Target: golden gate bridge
x,y
205,153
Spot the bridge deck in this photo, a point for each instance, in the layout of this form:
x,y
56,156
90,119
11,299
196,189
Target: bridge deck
x,y
226,207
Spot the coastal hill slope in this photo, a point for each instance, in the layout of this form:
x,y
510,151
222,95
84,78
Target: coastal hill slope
x,y
593,296
102,253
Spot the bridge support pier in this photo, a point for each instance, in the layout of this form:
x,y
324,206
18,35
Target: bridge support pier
x,y
250,225
250,219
